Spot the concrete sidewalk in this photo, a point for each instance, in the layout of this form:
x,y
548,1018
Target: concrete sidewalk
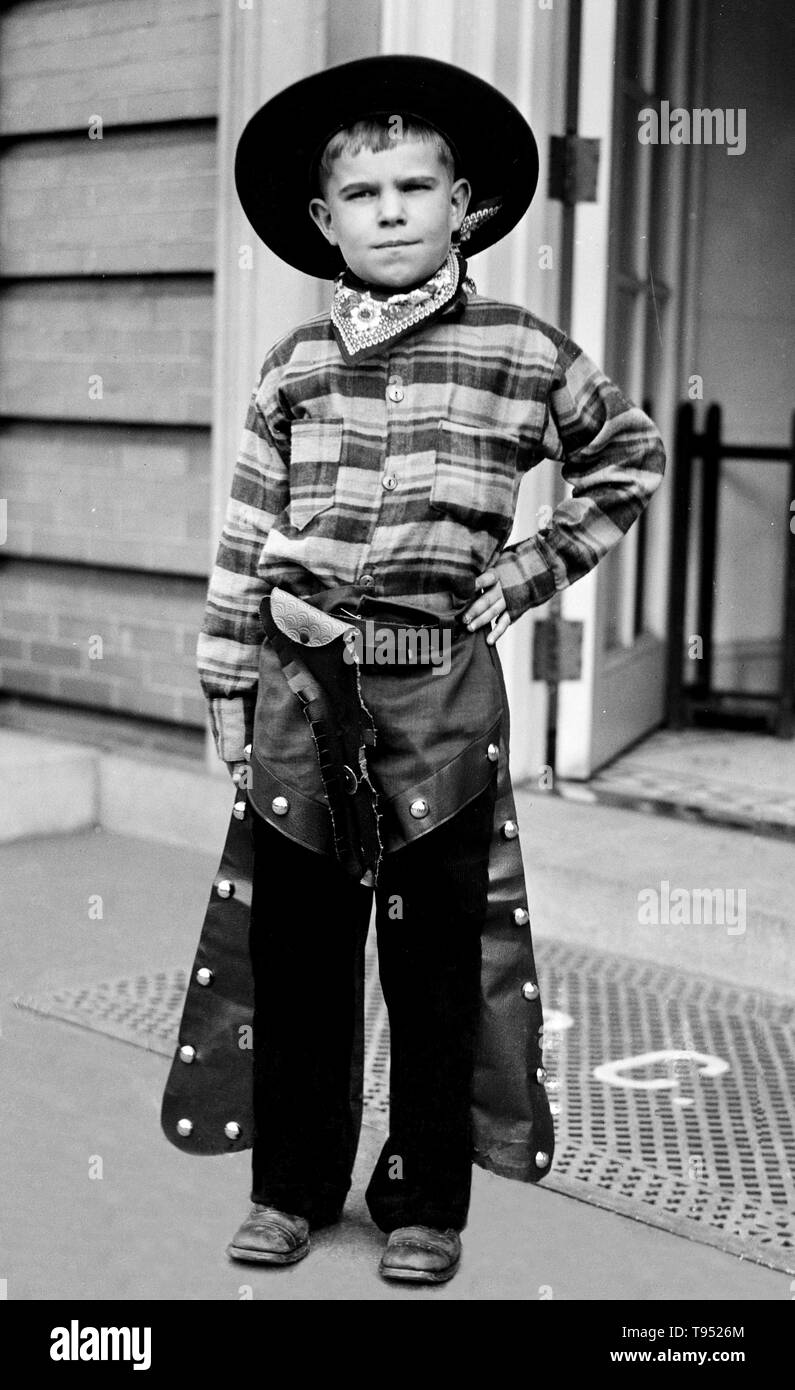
x,y
156,1223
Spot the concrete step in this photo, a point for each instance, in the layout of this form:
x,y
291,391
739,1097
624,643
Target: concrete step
x,y
594,873
165,801
48,788
712,776
53,788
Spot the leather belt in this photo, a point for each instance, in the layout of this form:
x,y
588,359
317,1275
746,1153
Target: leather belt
x,y
386,633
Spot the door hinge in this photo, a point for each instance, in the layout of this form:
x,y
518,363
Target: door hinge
x,y
573,169
557,650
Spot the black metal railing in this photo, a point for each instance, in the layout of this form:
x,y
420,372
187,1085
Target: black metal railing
x,y
687,700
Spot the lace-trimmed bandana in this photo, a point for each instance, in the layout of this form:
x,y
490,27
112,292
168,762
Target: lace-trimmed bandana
x,y
362,324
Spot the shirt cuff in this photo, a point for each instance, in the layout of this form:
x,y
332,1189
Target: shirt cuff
x,y
527,576
232,723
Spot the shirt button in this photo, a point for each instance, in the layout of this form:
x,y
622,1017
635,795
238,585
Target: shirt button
x,y
366,581
389,482
394,392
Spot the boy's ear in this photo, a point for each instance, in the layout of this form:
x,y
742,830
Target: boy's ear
x,y
320,212
460,194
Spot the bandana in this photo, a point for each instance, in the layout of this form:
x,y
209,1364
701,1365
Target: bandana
x,y
363,324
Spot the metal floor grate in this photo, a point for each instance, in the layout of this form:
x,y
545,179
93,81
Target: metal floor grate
x,y
708,1156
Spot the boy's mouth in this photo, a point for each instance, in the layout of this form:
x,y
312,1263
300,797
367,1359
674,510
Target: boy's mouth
x,y
388,245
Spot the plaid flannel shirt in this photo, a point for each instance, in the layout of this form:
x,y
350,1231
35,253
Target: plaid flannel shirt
x,y
401,475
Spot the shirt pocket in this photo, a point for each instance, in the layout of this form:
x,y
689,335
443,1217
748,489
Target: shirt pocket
x,y
315,451
476,476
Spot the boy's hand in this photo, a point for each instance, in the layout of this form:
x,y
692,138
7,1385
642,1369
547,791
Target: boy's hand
x,y
240,772
489,608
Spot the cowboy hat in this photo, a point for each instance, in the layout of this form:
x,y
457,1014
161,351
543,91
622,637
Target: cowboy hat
x,y
279,151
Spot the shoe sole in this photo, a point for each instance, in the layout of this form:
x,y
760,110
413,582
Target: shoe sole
x,y
418,1276
267,1257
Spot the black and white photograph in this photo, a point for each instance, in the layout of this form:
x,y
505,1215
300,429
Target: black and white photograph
x,y
397,666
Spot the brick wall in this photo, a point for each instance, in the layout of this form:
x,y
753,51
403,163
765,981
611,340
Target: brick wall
x,y
51,617
106,305
108,495
102,351
132,201
153,61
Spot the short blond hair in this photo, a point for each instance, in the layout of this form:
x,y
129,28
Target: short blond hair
x,y
377,133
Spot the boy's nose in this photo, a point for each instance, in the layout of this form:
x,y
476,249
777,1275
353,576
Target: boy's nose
x,y
391,209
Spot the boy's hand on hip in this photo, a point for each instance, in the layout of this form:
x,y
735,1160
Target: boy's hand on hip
x,y
489,608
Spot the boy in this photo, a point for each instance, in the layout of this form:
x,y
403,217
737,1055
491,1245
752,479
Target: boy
x,y
376,484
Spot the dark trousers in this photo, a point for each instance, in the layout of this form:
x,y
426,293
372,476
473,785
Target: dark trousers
x,y
308,928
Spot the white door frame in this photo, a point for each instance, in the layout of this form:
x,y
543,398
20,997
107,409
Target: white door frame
x,y
620,696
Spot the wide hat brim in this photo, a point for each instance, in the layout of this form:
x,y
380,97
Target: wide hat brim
x,y
279,148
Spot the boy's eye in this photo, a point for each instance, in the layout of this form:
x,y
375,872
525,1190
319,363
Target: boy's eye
x,y
413,187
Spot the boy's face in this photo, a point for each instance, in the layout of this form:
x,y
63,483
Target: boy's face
x,y
391,212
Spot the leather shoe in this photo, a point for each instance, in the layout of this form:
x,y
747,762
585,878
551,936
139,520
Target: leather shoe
x,y
270,1237
421,1255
